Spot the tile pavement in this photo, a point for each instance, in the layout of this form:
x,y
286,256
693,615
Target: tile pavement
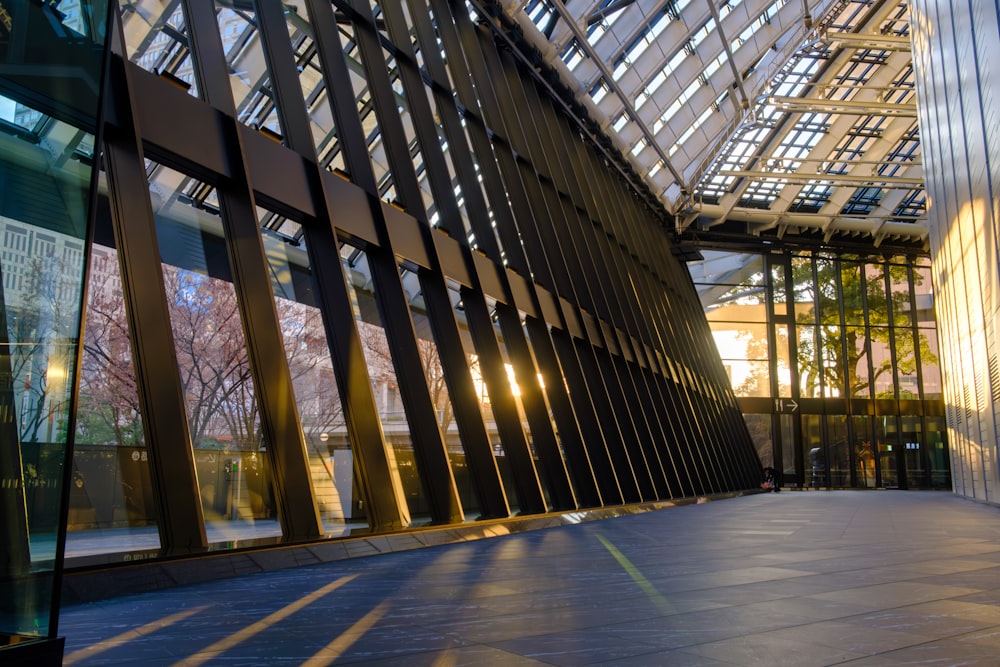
x,y
859,578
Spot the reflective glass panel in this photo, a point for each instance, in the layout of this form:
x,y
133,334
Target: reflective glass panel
x,y
112,507
883,377
515,383
914,451
827,292
808,362
937,452
878,304
856,365
430,358
899,286
778,288
923,291
156,39
44,207
838,451
790,451
763,439
51,64
784,367
366,110
907,380
385,386
832,359
317,97
331,459
234,471
930,369
813,453
249,77
483,394
853,297
864,452
887,435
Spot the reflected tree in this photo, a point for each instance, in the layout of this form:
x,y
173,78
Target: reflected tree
x,y
109,402
839,352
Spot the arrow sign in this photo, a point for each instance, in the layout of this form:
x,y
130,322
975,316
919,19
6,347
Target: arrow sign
x,y
785,406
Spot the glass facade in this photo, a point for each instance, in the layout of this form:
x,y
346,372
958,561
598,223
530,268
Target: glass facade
x,y
329,283
860,408
53,57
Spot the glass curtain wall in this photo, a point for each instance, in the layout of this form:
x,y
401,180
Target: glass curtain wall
x,y
53,56
313,315
866,384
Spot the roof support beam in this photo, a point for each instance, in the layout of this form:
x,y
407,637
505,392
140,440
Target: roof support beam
x,y
858,40
839,179
816,105
584,44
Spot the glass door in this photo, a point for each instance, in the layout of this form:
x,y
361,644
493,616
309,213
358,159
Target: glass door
x,y
888,450
914,455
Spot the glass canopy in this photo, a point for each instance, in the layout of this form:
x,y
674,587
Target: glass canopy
x,y
753,119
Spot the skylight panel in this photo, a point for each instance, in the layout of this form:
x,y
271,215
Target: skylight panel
x,y
572,55
599,90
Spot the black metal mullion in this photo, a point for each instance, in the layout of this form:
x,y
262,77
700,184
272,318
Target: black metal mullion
x,y
462,43
606,202
435,289
248,261
578,459
164,418
585,235
547,199
475,439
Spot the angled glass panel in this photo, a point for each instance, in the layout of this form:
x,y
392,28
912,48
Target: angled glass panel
x,y
317,96
328,445
515,383
52,57
483,395
253,91
234,471
156,39
112,507
382,370
430,358
366,111
44,210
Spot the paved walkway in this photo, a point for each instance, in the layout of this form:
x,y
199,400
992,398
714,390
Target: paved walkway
x,y
860,578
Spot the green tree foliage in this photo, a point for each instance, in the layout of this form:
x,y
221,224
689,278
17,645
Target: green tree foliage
x,y
840,356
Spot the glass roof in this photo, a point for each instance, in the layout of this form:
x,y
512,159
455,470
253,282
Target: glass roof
x,y
753,119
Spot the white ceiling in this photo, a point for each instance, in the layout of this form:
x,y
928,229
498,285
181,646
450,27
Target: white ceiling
x,y
752,120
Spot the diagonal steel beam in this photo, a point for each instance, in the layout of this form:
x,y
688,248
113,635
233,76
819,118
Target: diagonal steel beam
x,y
609,78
